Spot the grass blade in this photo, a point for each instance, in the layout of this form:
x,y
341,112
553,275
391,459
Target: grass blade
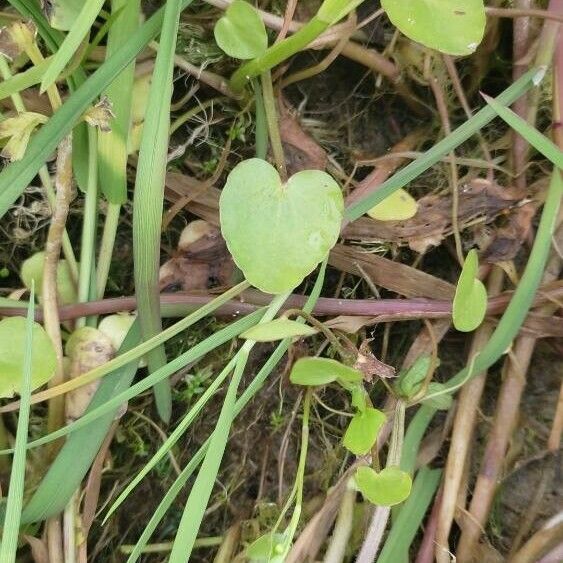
x,y
14,503
540,142
112,145
241,403
193,354
149,198
23,80
74,459
443,148
71,42
412,512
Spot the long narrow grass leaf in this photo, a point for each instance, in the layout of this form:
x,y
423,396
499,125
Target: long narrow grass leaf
x,y
248,394
112,145
148,202
72,41
74,459
14,503
191,355
540,142
24,79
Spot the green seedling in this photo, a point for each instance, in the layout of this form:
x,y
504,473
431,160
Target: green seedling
x,y
470,300
399,206
13,353
241,32
311,372
279,232
362,432
267,548
454,27
277,329
388,487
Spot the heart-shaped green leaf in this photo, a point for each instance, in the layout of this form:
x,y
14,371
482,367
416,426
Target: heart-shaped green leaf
x,y
12,346
320,371
388,487
278,329
363,430
454,27
241,32
398,206
278,233
470,300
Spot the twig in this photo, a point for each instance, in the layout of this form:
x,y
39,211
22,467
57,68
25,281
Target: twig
x,y
51,319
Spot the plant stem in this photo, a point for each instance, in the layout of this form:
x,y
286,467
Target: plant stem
x,y
378,523
272,122
90,222
260,124
278,53
106,247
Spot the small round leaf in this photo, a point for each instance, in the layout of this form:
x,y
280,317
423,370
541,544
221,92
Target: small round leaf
x,y
363,430
388,487
12,346
399,206
455,27
278,233
278,329
320,371
470,300
241,32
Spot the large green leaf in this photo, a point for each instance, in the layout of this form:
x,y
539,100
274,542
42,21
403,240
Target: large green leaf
x,y
455,27
12,356
278,329
241,32
278,233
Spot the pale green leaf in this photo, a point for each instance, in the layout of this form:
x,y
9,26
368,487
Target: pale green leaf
x,y
320,371
32,270
278,233
438,397
455,27
241,32
264,549
277,329
363,430
388,487
399,206
470,300
12,356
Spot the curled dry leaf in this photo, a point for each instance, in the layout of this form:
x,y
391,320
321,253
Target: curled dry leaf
x,y
87,348
370,366
202,260
100,115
